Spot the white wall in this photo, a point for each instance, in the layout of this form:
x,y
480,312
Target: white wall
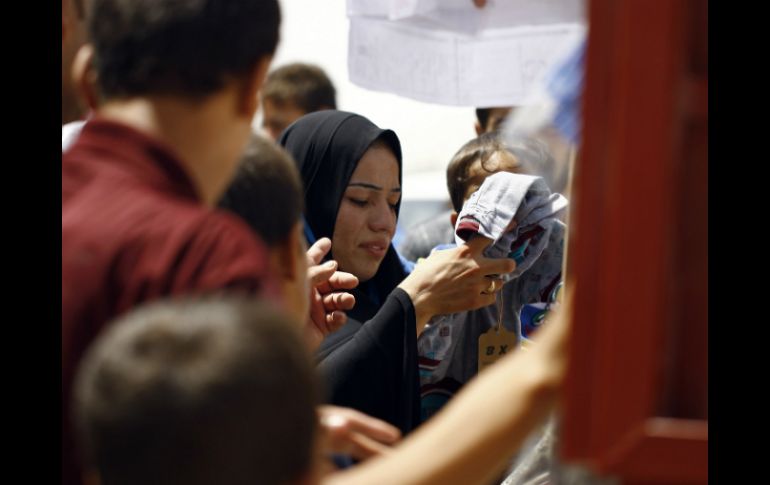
x,y
316,31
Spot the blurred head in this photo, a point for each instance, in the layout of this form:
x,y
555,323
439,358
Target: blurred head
x,y
214,390
266,192
351,171
189,48
490,119
292,91
185,71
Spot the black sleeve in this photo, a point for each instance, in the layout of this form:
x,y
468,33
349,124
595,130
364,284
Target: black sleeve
x,y
375,369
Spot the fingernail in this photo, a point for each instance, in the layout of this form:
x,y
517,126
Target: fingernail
x,y
330,264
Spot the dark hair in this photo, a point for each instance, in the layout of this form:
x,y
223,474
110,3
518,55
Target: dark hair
x,y
266,191
182,47
304,85
480,149
532,157
215,390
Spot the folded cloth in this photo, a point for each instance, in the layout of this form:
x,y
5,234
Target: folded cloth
x,y
514,211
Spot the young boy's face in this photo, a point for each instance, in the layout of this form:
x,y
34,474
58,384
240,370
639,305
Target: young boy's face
x,y
277,116
499,162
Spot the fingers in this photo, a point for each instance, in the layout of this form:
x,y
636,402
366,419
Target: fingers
x,y
487,295
338,301
492,285
478,243
338,418
357,445
318,250
326,278
490,288
317,312
327,310
340,439
364,447
372,427
341,280
489,266
321,273
335,320
496,266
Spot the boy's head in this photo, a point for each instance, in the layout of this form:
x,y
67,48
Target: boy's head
x,y
292,91
188,48
215,390
266,192
474,162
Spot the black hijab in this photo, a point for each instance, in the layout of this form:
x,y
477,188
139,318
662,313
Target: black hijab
x,y
327,146
374,371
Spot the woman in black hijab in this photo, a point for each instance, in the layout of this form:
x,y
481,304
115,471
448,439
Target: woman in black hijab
x,y
351,172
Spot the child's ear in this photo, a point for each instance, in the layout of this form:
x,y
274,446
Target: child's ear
x,y
453,218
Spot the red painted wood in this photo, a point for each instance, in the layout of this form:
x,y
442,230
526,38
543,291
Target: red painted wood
x,y
638,247
661,451
587,193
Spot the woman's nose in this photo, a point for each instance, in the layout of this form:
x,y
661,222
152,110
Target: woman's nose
x,y
383,218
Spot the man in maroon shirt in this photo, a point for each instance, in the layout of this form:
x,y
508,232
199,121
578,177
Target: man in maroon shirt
x,y
179,83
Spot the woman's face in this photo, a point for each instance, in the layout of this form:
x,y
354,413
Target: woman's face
x,y
366,220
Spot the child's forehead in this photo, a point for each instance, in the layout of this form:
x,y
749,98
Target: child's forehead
x,y
500,161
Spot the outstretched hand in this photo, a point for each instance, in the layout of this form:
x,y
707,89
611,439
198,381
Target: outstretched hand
x,y
350,432
327,302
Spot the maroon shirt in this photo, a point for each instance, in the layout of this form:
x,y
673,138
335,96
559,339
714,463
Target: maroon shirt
x,y
134,230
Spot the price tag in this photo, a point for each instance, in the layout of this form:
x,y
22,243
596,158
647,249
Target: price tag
x,y
494,344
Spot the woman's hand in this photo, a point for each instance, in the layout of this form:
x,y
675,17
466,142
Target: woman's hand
x,y
455,280
328,298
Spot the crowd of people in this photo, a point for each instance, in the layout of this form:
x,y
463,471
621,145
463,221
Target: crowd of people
x,y
233,308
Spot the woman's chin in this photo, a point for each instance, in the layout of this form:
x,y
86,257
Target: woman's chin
x,y
366,273
365,266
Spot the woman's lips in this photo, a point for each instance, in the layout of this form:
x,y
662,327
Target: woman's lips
x,y
375,248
